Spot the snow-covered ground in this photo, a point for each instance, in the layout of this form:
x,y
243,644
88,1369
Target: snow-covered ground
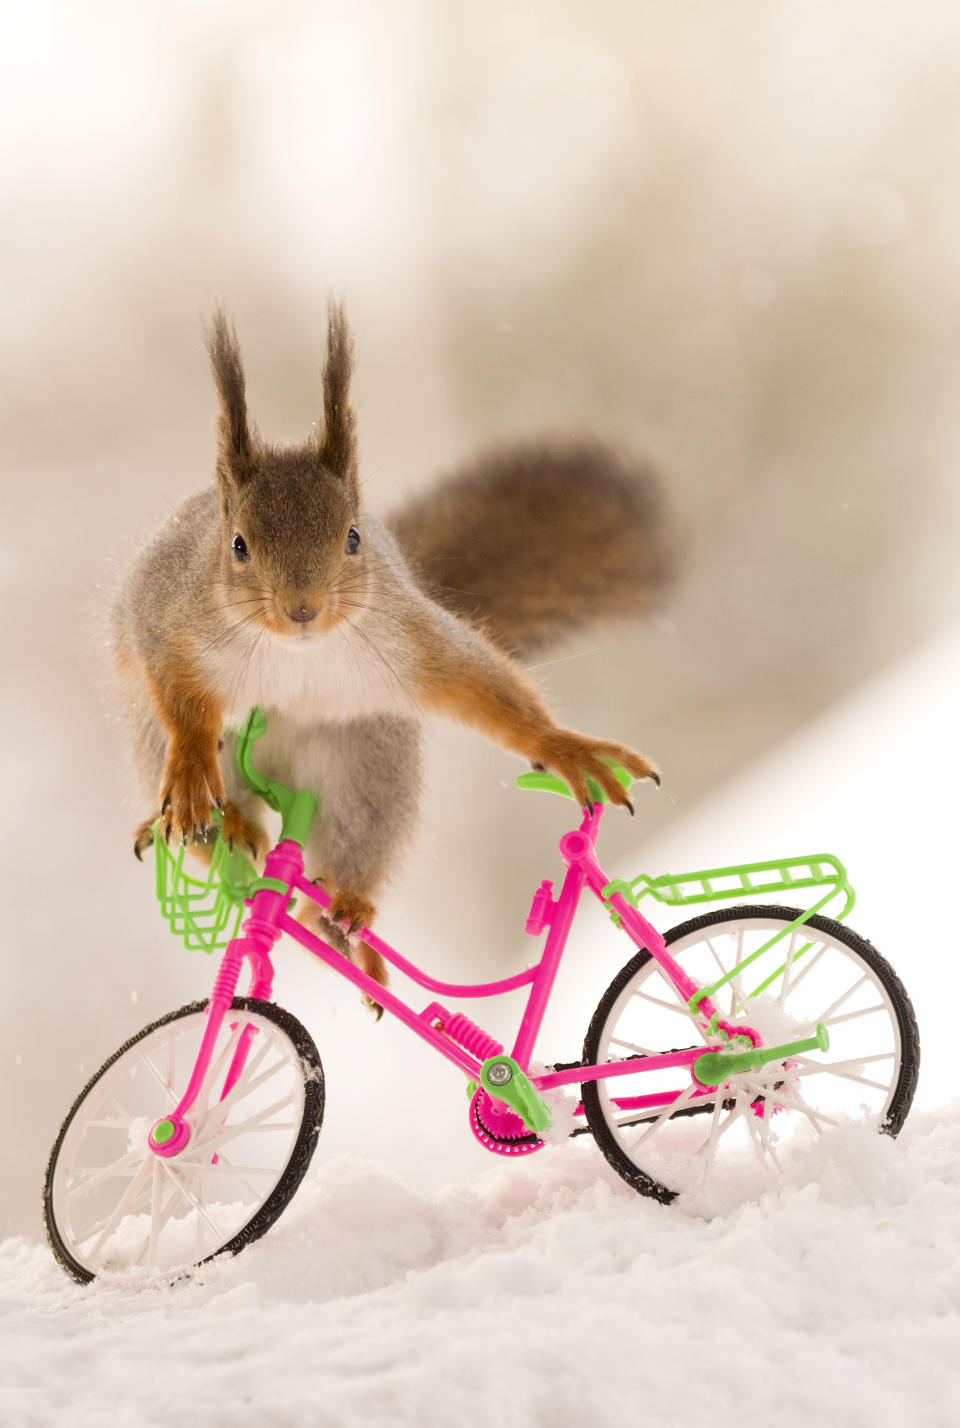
x,y
546,1292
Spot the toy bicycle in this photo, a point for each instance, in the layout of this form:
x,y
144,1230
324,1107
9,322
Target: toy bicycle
x,y
718,1050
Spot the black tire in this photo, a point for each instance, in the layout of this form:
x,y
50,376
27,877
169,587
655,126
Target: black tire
x,y
909,1037
297,1164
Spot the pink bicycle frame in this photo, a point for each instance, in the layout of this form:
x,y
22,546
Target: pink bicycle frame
x,y
269,917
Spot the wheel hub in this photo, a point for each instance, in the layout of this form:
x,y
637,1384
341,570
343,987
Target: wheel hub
x,y
168,1137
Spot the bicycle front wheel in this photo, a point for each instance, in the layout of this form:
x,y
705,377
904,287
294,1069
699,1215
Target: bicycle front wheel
x,y
111,1203
734,1142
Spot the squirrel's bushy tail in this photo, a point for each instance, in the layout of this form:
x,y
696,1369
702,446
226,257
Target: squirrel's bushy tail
x,y
534,542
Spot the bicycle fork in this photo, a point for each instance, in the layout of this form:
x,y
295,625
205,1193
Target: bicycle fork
x,y
169,1135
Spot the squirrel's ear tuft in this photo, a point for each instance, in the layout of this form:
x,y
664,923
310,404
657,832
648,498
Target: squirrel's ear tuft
x,y
235,453
338,443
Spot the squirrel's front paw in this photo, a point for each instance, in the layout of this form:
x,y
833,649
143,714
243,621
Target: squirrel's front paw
x,y
239,832
352,906
188,793
575,757
362,912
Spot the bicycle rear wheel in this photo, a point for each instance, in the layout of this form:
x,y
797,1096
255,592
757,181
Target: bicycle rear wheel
x,y
111,1203
733,1143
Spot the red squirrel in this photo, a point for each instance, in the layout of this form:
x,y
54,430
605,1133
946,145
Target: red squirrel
x,y
276,586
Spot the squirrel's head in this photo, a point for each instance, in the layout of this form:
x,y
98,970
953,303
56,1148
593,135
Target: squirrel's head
x,y
291,533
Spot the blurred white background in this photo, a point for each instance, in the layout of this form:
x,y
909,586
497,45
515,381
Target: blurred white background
x,y
728,239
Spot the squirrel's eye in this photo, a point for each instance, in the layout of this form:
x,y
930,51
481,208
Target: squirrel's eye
x,y
240,551
353,540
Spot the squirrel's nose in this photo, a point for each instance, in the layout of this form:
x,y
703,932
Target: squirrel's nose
x,y
303,614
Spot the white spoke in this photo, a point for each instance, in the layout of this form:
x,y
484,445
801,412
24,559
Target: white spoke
x,y
761,1132
121,1112
125,1203
739,960
273,1126
126,1165
813,1066
852,1016
161,1080
734,986
733,1116
840,1000
723,972
213,1075
242,1171
155,1211
659,1002
709,1145
839,1068
808,965
860,1080
795,1103
788,970
234,1169
158,1218
716,956
189,1196
198,1225
221,1135
632,1046
246,1082
682,1100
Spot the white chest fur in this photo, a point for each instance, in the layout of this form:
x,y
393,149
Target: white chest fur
x,y
337,676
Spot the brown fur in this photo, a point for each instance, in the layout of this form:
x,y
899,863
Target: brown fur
x,y
481,687
193,717
535,541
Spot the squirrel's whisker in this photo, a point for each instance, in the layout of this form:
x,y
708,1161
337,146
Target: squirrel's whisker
x,y
235,604
562,659
401,684
232,630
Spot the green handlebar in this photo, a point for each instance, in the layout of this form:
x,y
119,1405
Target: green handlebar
x,y
550,783
297,809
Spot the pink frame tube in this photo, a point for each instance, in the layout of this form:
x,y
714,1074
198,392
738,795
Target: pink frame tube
x,y
269,918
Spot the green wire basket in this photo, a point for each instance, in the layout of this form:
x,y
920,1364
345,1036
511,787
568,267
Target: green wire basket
x,y
204,911
207,912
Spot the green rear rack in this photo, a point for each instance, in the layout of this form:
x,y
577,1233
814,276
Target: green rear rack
x,y
709,885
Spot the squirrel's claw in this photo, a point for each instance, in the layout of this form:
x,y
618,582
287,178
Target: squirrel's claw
x,y
575,757
349,904
239,831
143,838
353,907
189,792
